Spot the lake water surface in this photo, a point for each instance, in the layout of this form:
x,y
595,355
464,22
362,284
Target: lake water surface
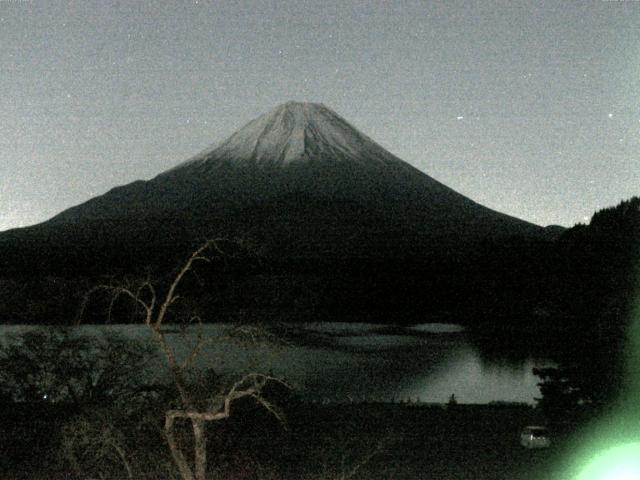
x,y
357,361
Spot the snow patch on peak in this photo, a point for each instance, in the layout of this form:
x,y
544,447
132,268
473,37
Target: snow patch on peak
x,y
293,132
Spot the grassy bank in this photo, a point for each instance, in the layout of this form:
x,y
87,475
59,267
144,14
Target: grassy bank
x,y
475,442
340,441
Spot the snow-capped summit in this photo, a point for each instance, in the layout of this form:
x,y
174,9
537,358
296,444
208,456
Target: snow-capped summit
x,y
294,132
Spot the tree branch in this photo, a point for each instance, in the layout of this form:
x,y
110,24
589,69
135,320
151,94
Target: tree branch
x,y
171,295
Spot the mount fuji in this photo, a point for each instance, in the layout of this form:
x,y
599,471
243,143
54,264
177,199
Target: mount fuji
x,y
298,181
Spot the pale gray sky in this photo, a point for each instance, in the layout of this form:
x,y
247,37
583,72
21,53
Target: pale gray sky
x,y
530,108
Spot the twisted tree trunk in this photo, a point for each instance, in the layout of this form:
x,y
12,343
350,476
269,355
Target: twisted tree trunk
x,y
200,447
176,452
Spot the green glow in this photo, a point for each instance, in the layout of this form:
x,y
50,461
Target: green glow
x,y
619,463
610,448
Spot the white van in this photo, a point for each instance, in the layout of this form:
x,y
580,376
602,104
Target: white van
x,y
535,437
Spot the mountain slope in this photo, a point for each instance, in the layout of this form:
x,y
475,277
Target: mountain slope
x,y
299,179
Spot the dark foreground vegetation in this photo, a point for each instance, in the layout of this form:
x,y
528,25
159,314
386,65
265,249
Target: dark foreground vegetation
x,y
323,442
76,407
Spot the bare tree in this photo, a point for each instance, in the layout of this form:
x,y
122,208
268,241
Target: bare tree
x,y
155,309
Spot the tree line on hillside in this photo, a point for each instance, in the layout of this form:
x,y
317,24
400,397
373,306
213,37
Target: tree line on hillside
x,y
581,277
604,258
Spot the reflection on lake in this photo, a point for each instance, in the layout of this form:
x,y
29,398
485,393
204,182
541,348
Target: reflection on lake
x,y
357,361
